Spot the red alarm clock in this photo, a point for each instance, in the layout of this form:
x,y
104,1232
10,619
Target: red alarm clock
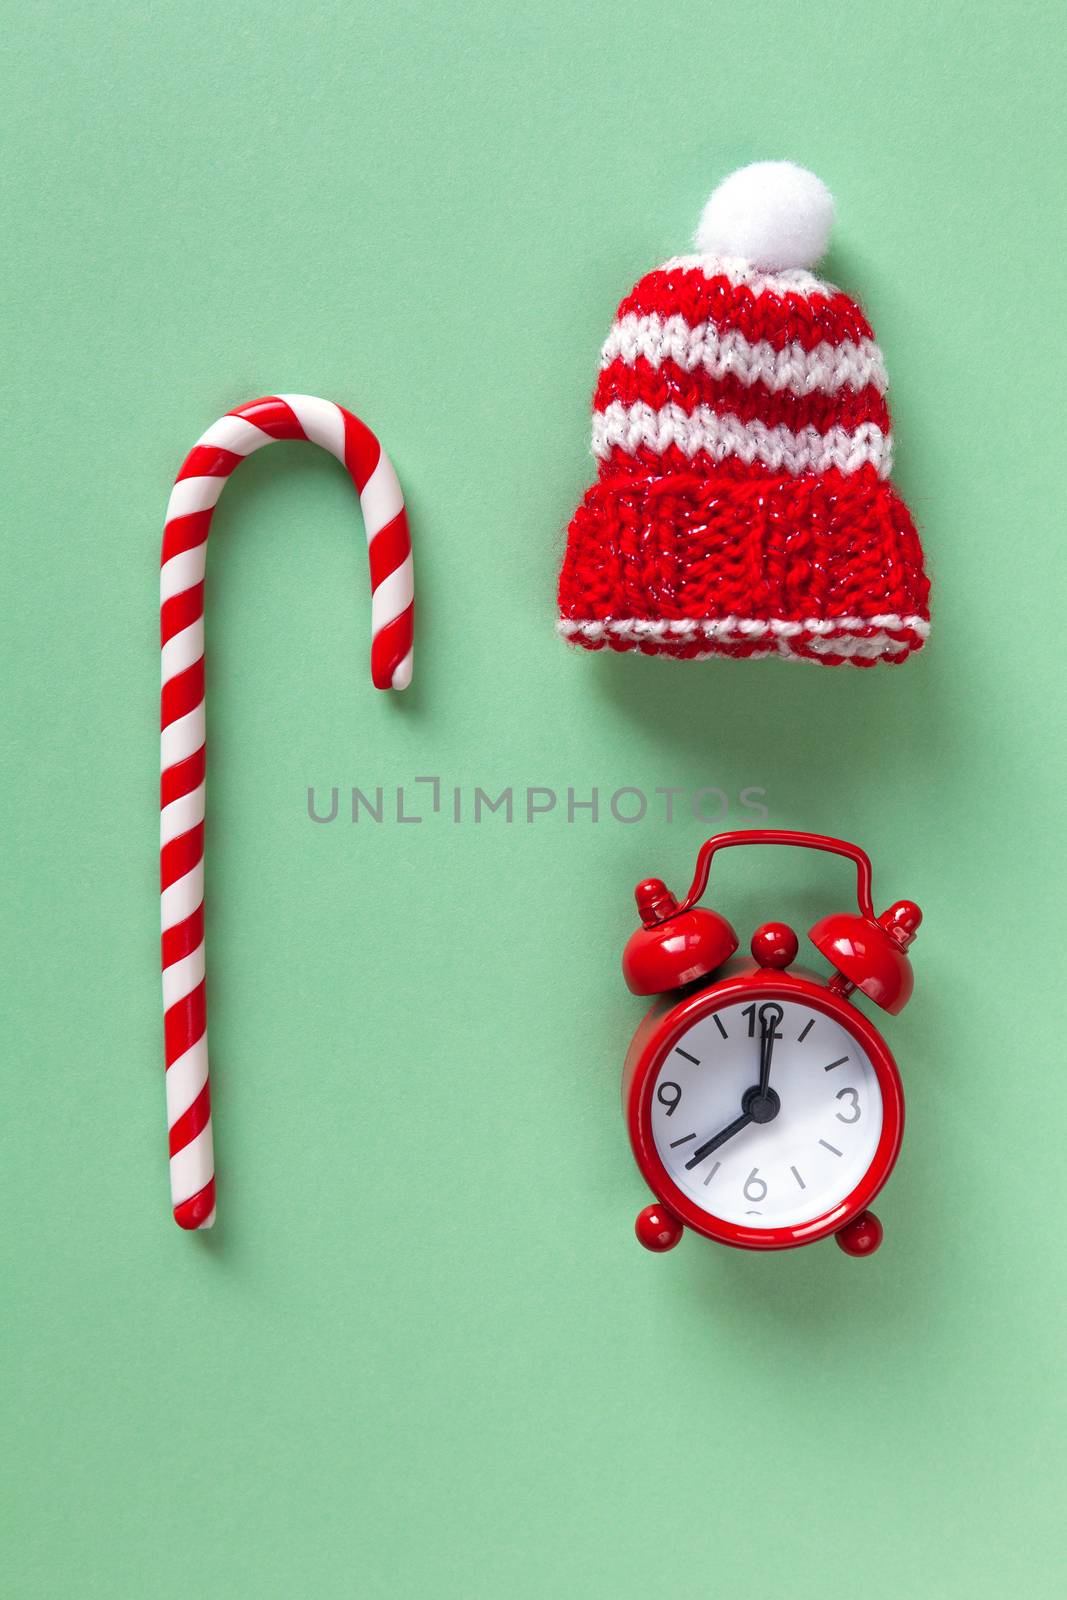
x,y
764,1110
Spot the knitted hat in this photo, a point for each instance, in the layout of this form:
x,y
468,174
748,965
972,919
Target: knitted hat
x,y
743,505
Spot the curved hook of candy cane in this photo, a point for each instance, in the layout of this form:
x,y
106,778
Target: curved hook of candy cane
x,y
182,744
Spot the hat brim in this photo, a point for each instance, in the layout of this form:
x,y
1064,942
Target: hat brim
x,y
744,564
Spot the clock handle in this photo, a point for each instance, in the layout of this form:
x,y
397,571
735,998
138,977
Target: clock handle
x,y
804,841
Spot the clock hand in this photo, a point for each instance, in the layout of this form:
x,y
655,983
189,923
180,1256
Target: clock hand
x,y
720,1138
770,1016
760,1103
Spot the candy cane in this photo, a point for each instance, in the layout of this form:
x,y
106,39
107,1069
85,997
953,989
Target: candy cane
x,y
192,503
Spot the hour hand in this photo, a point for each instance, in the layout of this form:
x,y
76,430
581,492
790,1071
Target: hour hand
x,y
720,1138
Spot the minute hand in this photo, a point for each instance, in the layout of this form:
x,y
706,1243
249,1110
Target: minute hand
x,y
770,1016
720,1138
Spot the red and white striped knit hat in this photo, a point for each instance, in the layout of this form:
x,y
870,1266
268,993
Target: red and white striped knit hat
x,y
743,505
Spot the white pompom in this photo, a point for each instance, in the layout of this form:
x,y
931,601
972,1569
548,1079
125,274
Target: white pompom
x,y
772,213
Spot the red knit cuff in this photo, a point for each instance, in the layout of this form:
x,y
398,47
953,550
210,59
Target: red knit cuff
x,y
744,562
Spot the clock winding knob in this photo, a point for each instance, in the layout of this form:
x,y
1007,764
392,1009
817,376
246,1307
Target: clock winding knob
x,y
775,945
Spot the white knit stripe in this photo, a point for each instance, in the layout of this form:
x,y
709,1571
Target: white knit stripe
x,y
181,815
180,652
740,628
181,898
692,346
182,572
183,976
878,644
392,596
402,675
182,737
321,421
641,426
194,494
193,1167
185,1079
742,274
382,498
884,619
880,647
235,434
786,652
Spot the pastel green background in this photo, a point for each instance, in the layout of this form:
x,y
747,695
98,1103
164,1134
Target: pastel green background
x,y
422,1354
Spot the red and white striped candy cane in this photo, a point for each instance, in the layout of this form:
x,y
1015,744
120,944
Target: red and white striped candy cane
x,y
196,491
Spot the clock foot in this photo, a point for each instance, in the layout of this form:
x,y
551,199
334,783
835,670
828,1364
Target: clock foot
x,y
861,1236
658,1229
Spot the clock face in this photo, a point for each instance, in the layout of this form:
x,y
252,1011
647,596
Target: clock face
x,y
772,1157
